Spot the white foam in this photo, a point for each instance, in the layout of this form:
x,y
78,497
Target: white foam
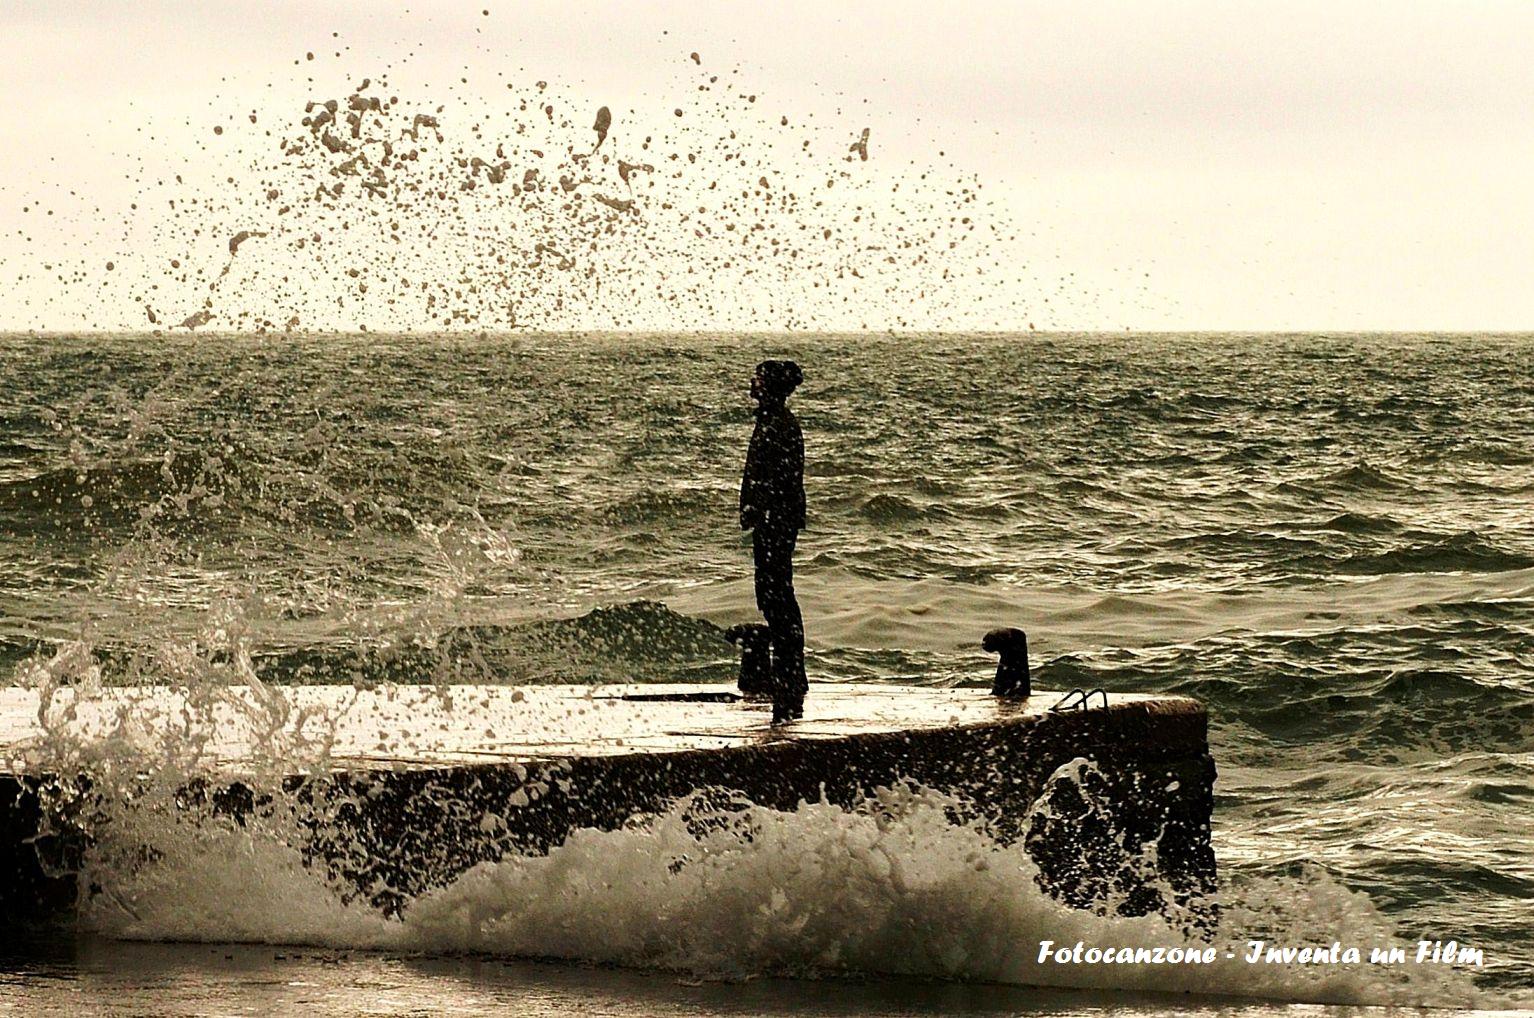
x,y
890,888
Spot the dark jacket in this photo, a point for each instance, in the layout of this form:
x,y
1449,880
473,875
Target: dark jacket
x,y
773,485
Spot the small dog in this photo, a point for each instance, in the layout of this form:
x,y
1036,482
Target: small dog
x,y
1012,678
754,641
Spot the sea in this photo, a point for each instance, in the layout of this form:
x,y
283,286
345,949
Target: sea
x,y
1328,539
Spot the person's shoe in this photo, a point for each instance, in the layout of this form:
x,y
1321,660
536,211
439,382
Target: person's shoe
x,y
784,711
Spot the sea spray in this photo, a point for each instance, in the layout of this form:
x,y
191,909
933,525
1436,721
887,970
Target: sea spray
x,y
530,204
143,774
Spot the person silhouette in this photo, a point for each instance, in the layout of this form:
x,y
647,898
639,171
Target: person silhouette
x,y
772,508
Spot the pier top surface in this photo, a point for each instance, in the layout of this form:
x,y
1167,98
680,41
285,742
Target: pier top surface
x,y
396,727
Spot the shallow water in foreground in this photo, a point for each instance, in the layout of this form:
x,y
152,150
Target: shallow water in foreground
x,y
233,979
1327,539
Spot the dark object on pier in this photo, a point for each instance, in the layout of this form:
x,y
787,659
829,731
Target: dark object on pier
x,y
755,642
1012,678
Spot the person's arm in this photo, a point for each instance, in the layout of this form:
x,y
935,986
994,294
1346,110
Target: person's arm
x,y
750,512
795,472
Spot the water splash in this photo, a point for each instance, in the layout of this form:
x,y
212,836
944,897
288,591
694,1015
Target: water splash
x,y
717,888
438,208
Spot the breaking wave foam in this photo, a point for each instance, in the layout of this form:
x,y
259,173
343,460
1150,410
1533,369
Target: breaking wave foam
x,y
733,890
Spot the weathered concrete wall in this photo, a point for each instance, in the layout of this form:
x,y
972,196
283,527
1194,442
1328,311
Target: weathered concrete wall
x,y
1154,780
30,889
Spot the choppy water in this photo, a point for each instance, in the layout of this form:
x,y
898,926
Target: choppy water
x,y
1326,538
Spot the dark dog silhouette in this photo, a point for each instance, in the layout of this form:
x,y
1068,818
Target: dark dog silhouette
x,y
755,642
1012,678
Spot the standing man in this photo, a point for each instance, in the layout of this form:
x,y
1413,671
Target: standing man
x,y
772,506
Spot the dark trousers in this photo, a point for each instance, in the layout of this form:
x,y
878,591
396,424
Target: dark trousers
x,y
773,547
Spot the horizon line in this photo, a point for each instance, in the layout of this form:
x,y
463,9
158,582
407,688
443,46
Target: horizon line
x,y
177,333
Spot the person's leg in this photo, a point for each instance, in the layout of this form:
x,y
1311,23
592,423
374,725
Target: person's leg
x,y
791,663
774,550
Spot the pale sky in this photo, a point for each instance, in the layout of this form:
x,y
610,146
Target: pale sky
x,y
1194,165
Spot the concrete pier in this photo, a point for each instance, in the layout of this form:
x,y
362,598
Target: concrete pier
x,y
411,776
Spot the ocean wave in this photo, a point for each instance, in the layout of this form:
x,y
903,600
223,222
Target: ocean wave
x,y
635,641
1081,486
117,492
1359,523
1517,793
1378,694
13,447
1247,542
1409,685
1467,551
663,504
639,631
935,487
14,651
1498,610
196,490
1362,476
1138,399
1210,400
1506,453
886,508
